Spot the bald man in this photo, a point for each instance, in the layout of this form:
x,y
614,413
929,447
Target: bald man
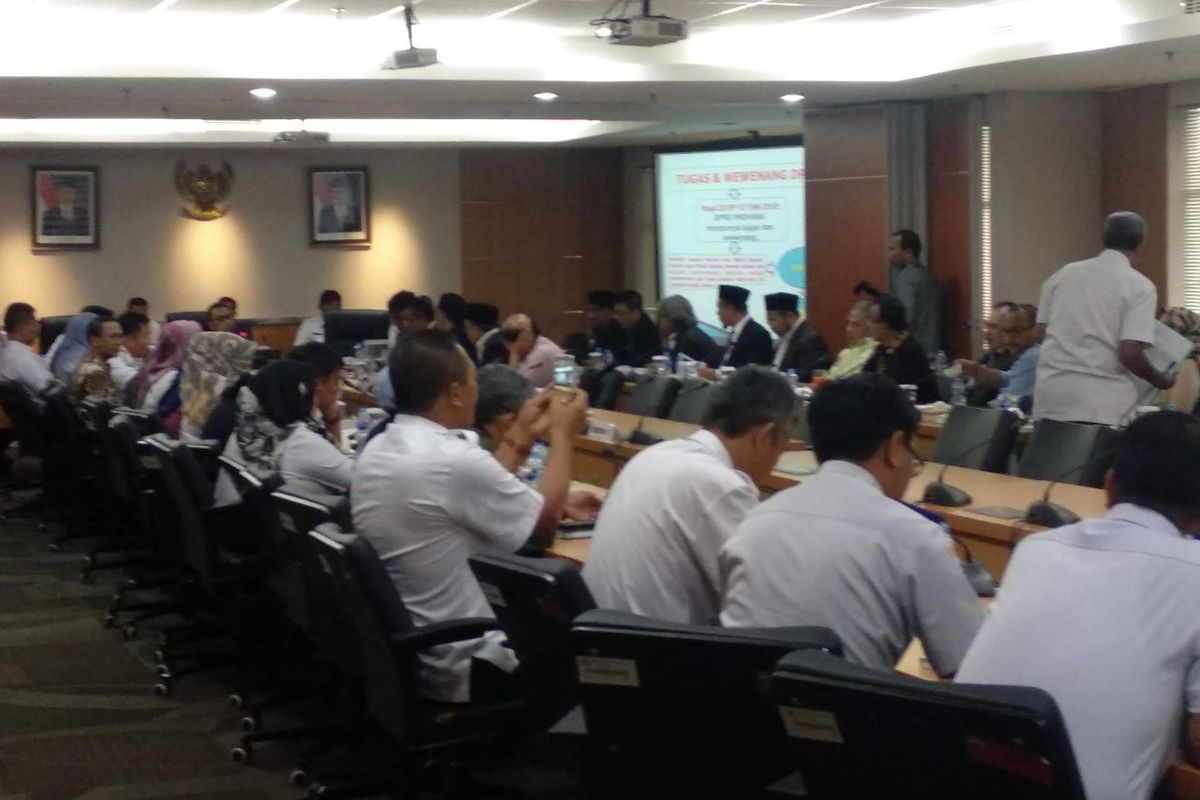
x,y
530,353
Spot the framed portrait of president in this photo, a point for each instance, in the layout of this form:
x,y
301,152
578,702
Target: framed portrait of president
x,y
65,208
339,206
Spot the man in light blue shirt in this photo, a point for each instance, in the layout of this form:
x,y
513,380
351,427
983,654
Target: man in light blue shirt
x,y
1019,332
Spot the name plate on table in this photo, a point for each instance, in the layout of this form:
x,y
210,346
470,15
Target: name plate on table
x,y
604,431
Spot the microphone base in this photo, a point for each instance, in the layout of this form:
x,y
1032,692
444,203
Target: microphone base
x,y
1050,515
943,494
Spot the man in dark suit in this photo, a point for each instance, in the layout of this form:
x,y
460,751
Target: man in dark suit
x,y
484,332
641,341
342,214
799,347
749,342
65,218
605,333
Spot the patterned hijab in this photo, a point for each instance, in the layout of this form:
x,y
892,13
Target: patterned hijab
x,y
214,360
273,403
172,347
1183,321
73,348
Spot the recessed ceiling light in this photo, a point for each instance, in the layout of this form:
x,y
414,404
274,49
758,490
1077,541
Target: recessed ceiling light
x,y
791,98
264,92
546,97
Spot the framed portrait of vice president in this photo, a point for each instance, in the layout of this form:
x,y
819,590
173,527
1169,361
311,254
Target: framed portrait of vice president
x,y
339,206
65,208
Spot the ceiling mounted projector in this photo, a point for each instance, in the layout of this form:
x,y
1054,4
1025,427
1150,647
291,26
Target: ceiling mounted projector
x,y
642,30
414,56
301,137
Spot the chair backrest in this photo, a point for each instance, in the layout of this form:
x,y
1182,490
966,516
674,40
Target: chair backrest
x,y
536,600
28,423
255,492
1068,452
301,511
52,328
332,622
683,710
977,438
692,401
192,316
859,732
653,395
348,327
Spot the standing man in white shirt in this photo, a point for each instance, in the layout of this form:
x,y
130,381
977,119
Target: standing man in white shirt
x,y
135,344
1102,615
672,507
312,329
427,496
18,362
841,551
1097,318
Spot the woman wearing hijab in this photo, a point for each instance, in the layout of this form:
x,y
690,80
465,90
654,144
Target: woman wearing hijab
x,y
157,377
214,360
73,347
279,430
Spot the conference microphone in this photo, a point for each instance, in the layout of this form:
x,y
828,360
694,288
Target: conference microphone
x,y
940,493
976,574
1052,515
639,436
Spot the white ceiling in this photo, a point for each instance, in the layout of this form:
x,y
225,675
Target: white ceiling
x,y
196,60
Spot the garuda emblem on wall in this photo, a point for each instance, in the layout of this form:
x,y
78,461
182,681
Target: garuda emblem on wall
x,y
204,189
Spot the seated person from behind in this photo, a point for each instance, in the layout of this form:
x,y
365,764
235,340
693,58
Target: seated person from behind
x,y
157,384
680,333
672,507
1018,327
18,363
135,345
502,393
841,551
278,429
854,356
530,353
800,347
1102,615
91,382
428,497
898,355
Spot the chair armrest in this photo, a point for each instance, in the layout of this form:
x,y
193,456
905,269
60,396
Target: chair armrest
x,y
457,630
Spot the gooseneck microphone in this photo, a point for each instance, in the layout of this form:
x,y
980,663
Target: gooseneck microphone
x,y
940,493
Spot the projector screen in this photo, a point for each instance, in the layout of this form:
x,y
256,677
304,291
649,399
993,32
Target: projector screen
x,y
731,216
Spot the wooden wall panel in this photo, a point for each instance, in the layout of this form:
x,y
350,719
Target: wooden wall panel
x,y
948,138
846,155
540,227
1133,168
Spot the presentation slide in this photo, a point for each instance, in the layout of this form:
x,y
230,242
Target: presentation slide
x,y
731,216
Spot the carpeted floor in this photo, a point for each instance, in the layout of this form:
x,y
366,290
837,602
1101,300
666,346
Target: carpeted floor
x,y
79,719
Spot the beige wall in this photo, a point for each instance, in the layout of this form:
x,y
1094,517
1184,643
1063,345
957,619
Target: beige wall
x,y
1046,187
258,253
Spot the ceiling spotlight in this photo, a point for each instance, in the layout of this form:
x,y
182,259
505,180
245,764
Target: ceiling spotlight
x,y
603,31
791,98
546,97
264,93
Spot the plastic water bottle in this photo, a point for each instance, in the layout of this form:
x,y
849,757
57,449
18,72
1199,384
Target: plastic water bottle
x,y
531,471
958,391
362,424
793,379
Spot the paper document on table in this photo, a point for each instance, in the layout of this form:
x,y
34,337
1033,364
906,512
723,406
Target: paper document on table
x,y
1169,349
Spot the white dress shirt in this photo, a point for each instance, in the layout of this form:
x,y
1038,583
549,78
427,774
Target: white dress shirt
x,y
309,462
18,363
312,329
428,498
1102,615
123,367
781,346
1090,307
835,551
654,549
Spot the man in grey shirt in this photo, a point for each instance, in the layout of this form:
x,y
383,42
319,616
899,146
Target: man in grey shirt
x,y
912,282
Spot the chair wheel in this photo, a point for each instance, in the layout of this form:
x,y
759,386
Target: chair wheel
x,y
236,701
163,671
242,755
299,778
130,632
162,689
250,723
110,620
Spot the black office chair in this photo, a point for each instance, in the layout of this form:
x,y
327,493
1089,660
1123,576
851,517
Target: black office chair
x,y
860,732
200,317
536,599
977,438
692,401
29,429
1068,452
653,395
683,710
52,328
348,327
